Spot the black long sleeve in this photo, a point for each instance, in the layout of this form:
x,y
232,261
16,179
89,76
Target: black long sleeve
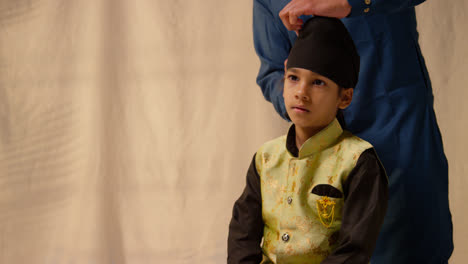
x,y
366,196
246,227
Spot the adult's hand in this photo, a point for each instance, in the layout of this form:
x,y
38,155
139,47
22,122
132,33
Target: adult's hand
x,y
328,8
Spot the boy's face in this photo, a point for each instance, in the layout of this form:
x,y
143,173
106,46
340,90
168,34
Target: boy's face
x,y
311,99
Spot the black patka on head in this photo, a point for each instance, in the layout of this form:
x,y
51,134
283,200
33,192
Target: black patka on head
x,y
324,46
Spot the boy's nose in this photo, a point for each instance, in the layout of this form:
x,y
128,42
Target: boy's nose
x,y
301,93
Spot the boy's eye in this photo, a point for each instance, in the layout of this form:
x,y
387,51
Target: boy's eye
x,y
293,77
318,82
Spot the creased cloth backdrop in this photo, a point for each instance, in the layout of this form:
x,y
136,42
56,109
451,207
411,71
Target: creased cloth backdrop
x,y
126,127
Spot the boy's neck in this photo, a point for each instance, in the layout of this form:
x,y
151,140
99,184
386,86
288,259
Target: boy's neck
x,y
304,133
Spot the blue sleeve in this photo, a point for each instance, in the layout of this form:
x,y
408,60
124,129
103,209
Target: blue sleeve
x,y
369,7
272,47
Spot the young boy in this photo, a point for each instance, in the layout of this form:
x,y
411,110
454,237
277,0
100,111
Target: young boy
x,y
317,194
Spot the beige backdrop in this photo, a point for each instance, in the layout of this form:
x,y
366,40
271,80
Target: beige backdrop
x,y
126,127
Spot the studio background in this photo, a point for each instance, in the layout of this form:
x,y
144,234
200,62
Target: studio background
x,y
127,127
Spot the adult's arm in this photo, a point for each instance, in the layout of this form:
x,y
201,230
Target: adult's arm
x,y
272,46
339,9
246,227
366,196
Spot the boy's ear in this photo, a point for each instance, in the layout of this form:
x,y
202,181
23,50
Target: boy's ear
x,y
346,96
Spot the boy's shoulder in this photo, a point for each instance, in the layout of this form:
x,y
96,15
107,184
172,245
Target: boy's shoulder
x,y
352,141
276,144
271,150
362,147
353,147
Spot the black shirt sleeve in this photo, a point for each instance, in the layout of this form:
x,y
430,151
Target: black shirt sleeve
x,y
366,196
246,226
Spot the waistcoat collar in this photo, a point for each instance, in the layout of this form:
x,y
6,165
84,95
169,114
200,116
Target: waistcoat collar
x,y
316,143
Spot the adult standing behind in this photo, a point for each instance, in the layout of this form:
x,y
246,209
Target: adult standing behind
x,y
392,109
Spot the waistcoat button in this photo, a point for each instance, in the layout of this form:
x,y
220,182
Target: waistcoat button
x,y
285,237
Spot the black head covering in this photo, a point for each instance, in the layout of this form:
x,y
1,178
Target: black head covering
x,y
324,46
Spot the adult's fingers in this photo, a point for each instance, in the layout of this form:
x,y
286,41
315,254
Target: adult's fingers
x,y
291,22
284,16
289,15
292,19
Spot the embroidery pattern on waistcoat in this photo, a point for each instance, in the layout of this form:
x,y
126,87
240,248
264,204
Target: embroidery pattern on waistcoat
x,y
326,211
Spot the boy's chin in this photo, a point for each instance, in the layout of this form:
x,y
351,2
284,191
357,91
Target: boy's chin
x,y
300,122
307,123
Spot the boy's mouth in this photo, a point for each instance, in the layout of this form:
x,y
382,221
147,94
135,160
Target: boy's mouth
x,y
300,109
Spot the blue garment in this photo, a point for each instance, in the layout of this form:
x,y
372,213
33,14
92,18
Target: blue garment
x,y
392,108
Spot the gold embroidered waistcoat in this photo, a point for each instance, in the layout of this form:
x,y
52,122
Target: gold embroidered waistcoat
x,y
300,226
